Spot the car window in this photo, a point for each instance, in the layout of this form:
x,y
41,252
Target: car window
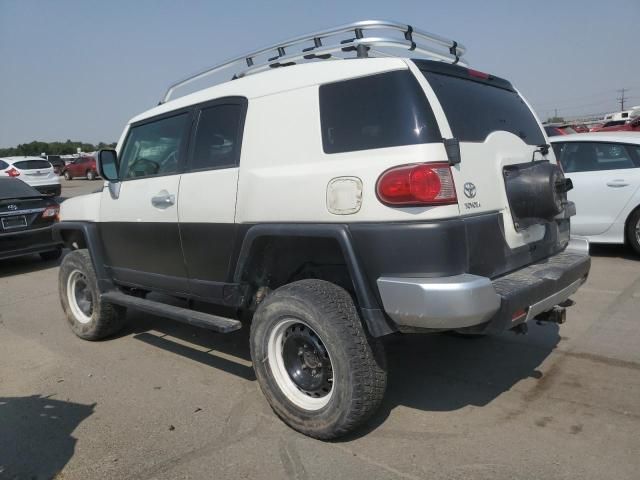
x,y
592,156
32,164
377,111
153,148
216,141
475,110
3,165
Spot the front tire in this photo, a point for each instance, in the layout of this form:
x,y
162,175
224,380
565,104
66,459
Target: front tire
x,y
319,370
67,175
633,230
90,318
91,175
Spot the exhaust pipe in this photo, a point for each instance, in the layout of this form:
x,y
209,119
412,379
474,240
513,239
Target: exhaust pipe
x,y
557,315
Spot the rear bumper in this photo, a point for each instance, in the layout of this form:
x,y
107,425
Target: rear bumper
x,y
27,242
53,190
466,300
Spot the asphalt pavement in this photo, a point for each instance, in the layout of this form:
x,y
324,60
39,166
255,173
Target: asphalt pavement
x,y
168,401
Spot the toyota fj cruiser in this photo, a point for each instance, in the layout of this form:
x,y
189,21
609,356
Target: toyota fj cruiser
x,y
329,203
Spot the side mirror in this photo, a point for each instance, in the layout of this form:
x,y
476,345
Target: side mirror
x,y
108,165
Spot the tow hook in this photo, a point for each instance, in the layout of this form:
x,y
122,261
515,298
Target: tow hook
x,y
557,315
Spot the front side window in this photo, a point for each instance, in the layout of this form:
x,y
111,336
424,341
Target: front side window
x,y
385,110
592,156
153,148
217,138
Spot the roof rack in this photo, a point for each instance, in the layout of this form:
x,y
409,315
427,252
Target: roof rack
x,y
413,40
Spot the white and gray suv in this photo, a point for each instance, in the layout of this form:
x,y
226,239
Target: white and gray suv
x,y
328,204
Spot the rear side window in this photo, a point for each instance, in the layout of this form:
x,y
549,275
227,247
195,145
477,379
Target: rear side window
x,y
475,109
32,164
386,110
592,156
217,135
3,165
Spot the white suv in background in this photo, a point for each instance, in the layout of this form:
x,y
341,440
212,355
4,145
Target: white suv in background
x,y
328,203
34,171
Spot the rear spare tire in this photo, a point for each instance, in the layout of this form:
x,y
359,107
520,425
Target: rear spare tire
x,y
90,318
315,364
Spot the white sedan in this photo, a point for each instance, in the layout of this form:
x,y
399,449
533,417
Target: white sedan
x,y
34,171
605,171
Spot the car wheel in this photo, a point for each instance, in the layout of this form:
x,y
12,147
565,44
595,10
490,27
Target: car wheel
x,y
633,230
67,175
90,317
319,370
91,175
51,255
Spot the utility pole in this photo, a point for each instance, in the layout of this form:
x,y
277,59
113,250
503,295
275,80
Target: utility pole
x,y
621,98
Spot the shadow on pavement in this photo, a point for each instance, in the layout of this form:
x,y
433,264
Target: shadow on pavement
x,y
613,251
26,264
35,435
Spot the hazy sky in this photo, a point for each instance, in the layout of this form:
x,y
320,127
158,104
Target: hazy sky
x,y
80,69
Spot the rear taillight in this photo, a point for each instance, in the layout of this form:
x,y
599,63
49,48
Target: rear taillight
x,y
12,172
417,184
51,212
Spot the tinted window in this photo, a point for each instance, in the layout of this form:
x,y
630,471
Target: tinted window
x,y
592,156
32,164
552,131
14,188
154,148
378,111
3,165
216,142
475,109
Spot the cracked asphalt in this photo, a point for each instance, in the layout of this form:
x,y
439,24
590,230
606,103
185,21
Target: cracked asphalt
x,y
168,401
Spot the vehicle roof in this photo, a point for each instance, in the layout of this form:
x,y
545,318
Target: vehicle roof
x,y
281,79
18,159
625,137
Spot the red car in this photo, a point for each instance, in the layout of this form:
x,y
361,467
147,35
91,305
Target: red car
x,y
84,166
632,126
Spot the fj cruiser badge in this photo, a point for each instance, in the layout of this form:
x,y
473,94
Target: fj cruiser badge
x,y
469,190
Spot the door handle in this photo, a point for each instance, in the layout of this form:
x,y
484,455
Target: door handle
x,y
617,183
163,199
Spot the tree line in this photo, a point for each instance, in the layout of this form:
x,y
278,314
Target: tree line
x,y
35,148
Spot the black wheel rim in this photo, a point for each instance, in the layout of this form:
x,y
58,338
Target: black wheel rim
x,y
307,361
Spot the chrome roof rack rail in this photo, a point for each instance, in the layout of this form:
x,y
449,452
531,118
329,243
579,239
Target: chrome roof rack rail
x,y
311,47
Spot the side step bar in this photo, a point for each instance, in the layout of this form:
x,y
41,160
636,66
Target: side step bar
x,y
179,314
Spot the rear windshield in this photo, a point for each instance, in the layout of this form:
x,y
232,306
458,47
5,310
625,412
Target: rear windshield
x,y
378,111
32,164
475,110
16,188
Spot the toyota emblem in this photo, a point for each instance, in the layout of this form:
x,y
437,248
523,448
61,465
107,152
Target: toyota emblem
x,y
12,207
469,190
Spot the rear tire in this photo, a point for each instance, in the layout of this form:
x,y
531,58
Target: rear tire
x,y
319,370
51,255
67,175
633,230
90,318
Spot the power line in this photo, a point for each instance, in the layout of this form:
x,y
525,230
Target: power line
x,y
621,98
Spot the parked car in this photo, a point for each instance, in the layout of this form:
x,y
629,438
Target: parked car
x,y
56,162
554,130
321,203
630,126
608,125
34,171
605,171
84,166
26,218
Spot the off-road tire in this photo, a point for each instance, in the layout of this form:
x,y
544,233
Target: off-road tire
x,y
632,224
358,361
105,319
91,175
67,176
51,255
